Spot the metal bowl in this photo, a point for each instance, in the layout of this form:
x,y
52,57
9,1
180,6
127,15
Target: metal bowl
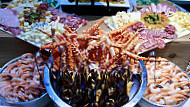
x,y
144,102
136,93
38,102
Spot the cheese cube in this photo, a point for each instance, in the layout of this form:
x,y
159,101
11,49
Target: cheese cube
x,y
26,24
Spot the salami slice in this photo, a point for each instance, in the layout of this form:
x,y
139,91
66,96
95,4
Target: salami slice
x,y
160,43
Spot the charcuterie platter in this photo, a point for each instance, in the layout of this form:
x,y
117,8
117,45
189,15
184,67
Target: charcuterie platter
x,y
162,21
22,18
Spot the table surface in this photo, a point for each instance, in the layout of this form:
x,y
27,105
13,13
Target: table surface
x,y
11,47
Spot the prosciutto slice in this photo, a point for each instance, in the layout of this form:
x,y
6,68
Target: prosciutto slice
x,y
162,8
153,7
9,17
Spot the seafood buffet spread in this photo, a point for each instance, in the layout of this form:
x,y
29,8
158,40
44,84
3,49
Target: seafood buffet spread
x,y
95,67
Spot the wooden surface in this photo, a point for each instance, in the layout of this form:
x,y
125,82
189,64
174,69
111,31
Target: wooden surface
x,y
11,47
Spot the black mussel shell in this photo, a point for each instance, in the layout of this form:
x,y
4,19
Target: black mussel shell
x,y
122,99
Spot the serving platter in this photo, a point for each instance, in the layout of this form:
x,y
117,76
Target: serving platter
x,y
18,37
180,34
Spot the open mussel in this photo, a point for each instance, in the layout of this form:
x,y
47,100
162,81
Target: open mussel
x,y
92,88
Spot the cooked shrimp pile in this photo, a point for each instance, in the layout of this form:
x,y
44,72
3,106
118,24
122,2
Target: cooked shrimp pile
x,y
20,80
168,85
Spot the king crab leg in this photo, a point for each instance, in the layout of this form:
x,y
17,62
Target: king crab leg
x,y
94,28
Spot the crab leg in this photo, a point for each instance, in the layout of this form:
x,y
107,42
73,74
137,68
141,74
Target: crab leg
x,y
68,29
108,41
71,33
85,53
69,53
136,49
94,27
130,40
120,30
95,45
54,45
99,31
87,37
143,58
132,44
54,26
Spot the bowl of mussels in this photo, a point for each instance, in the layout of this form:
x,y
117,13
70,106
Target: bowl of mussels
x,y
21,82
90,87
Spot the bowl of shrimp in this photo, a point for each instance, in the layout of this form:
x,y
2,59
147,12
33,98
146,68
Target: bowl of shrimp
x,y
168,85
21,82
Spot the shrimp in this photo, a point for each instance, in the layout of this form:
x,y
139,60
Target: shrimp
x,y
166,89
155,97
161,101
154,89
179,75
19,77
175,84
170,100
180,95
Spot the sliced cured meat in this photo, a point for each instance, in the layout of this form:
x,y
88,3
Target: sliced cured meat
x,y
170,29
153,7
162,8
173,9
160,43
44,6
150,43
53,11
158,8
139,26
9,17
73,21
14,31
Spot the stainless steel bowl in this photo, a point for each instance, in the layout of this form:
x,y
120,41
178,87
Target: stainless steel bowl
x,y
144,102
38,102
137,90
